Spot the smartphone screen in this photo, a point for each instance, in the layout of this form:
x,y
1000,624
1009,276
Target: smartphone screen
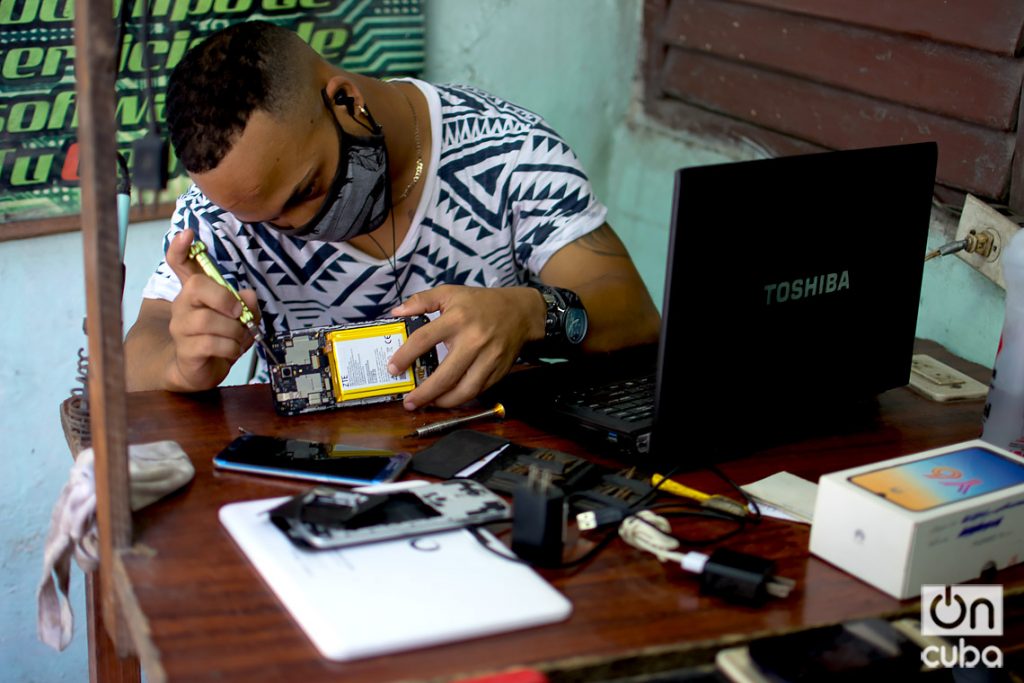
x,y
943,479
859,650
323,462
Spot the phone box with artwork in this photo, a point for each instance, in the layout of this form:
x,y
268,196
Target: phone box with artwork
x,y
938,517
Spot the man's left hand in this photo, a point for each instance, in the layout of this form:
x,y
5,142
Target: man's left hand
x,y
484,330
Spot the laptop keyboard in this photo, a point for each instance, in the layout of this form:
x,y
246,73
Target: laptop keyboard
x,y
631,400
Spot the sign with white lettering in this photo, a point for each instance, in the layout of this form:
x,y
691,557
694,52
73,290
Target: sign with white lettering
x,y
38,109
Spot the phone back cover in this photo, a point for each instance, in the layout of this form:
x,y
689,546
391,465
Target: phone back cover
x,y
393,596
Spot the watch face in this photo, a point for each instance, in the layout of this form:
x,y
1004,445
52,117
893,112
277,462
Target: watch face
x,y
575,325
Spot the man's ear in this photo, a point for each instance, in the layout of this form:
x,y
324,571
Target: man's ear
x,y
343,93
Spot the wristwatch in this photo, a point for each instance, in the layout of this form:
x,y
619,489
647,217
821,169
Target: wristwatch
x,y
565,325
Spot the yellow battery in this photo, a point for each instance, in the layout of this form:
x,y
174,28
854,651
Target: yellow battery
x,y
359,359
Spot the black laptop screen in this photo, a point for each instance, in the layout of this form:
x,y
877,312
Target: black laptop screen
x,y
791,284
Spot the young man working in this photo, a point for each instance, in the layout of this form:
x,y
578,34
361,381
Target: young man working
x,y
328,197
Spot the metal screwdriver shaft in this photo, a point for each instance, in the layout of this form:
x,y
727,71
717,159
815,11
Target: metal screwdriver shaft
x,y
443,425
197,252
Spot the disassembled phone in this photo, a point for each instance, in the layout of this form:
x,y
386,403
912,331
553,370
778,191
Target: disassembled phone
x,y
322,368
311,460
328,518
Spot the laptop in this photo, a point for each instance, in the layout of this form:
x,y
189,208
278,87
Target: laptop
x,y
791,295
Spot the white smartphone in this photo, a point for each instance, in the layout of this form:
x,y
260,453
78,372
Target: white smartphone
x,y
312,461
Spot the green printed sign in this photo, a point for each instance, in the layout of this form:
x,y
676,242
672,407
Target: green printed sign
x,y
38,108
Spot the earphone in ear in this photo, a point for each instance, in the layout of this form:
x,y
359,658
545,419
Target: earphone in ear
x,y
343,100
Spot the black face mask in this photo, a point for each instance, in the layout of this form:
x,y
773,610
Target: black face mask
x,y
359,198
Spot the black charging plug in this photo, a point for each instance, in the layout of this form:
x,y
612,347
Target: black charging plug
x,y
538,522
741,577
150,155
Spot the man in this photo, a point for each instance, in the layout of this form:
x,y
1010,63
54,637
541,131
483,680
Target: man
x,y
328,197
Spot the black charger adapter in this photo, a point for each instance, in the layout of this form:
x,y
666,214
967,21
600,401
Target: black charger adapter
x,y
740,577
538,521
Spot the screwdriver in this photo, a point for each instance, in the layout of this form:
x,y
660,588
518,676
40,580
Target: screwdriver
x,y
197,252
497,411
716,502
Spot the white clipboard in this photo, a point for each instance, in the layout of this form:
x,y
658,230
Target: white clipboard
x,y
393,596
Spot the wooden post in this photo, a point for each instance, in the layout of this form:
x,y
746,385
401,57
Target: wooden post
x,y
95,70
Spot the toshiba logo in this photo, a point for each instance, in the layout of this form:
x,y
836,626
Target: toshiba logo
x,y
802,288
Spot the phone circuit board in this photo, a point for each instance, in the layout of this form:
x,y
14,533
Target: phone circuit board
x,y
335,366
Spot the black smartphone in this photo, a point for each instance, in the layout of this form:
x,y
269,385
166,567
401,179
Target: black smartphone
x,y
853,651
310,460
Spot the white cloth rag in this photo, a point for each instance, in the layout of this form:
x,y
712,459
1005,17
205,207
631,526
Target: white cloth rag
x,y
154,469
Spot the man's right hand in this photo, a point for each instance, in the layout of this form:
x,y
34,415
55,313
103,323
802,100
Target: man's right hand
x,y
191,343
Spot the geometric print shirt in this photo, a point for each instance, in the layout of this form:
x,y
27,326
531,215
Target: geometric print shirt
x,y
502,194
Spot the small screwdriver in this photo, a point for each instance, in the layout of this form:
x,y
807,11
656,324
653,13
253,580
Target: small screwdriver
x,y
497,411
197,252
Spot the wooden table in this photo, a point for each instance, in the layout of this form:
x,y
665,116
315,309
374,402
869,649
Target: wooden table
x,y
202,612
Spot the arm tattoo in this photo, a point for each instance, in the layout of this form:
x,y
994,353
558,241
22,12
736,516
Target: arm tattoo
x,y
603,242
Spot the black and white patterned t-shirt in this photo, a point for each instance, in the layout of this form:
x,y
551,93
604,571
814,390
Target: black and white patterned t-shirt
x,y
503,193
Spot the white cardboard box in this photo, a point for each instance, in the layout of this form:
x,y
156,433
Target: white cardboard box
x,y
958,514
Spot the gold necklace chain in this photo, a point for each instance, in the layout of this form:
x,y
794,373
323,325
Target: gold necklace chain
x,y
419,150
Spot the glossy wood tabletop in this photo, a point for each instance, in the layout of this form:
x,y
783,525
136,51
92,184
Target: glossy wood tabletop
x,y
210,616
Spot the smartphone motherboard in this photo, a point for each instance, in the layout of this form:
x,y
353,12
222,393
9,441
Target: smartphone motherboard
x,y
322,368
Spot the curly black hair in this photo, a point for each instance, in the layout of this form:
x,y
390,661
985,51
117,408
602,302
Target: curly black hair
x,y
220,82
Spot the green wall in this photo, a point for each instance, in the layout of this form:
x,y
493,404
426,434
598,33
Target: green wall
x,y
573,61
576,62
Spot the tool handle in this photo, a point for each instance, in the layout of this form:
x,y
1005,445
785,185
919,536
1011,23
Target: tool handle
x,y
678,489
197,252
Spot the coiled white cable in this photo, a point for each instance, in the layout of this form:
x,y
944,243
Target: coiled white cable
x,y
652,533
